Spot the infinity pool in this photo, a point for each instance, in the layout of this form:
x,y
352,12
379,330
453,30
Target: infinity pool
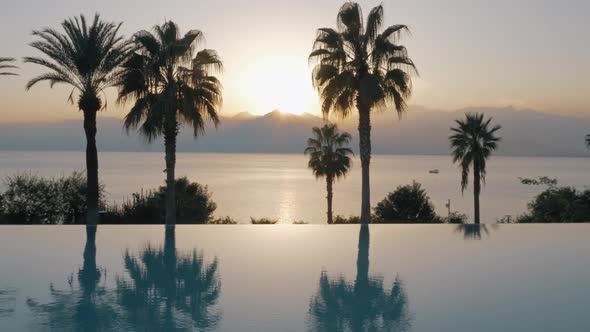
x,y
296,278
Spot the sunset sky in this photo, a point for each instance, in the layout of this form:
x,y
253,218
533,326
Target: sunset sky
x,y
527,53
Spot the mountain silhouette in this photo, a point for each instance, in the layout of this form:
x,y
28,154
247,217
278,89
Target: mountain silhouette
x,y
421,131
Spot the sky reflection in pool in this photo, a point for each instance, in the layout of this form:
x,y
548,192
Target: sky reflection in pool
x,y
296,278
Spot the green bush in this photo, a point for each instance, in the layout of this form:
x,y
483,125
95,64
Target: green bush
x,y
193,206
407,204
31,199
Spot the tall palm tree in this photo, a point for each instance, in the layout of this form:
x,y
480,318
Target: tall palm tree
x,y
357,66
87,58
170,85
472,143
329,157
6,65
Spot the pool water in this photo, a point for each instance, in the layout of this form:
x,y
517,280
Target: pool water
x,y
295,278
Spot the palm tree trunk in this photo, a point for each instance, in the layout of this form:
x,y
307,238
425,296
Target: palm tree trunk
x,y
91,167
476,191
361,283
170,144
169,275
89,275
365,151
86,313
362,261
329,182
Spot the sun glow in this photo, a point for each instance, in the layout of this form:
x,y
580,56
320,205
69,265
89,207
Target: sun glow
x,y
278,83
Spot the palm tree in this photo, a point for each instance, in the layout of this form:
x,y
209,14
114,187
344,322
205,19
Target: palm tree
x,y
5,64
87,58
329,156
356,66
170,87
472,144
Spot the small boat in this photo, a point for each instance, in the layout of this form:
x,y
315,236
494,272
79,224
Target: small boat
x,y
433,171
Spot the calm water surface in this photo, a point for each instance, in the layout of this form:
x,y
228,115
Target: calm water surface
x,y
281,186
296,278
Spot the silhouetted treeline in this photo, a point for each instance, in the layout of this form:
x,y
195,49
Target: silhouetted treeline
x,y
31,199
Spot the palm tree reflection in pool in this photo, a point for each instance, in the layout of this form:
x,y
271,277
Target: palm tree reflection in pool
x,y
170,291
88,307
472,231
364,305
163,291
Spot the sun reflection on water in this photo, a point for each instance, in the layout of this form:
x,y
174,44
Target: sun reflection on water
x,y
287,207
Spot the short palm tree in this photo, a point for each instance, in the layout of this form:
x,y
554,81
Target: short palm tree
x,y
87,58
170,85
472,143
6,65
357,66
329,157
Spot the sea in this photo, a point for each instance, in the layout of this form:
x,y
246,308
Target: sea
x,y
280,186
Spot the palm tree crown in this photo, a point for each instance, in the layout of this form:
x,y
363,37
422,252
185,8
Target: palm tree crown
x,y
329,154
357,64
84,57
472,144
6,65
168,84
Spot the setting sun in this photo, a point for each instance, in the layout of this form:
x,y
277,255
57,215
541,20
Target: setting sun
x,y
278,83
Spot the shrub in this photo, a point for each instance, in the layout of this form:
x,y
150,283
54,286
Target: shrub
x,y
539,181
300,222
455,218
407,204
32,199
222,221
559,205
193,206
507,219
263,221
347,220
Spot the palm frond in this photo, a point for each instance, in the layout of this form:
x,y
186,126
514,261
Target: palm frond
x,y
350,19
87,57
374,21
6,65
